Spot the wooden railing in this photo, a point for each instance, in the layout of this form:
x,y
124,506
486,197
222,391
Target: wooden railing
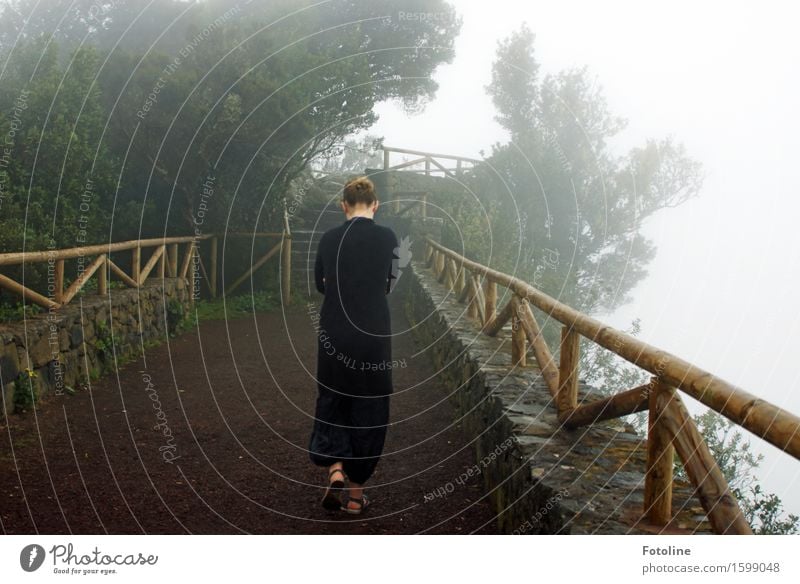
x,y
431,162
670,427
163,260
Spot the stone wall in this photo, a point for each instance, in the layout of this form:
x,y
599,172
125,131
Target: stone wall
x,y
66,347
540,477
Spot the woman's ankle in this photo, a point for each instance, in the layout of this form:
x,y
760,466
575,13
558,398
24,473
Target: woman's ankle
x,y
356,490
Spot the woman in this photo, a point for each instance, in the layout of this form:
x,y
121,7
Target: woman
x,y
355,267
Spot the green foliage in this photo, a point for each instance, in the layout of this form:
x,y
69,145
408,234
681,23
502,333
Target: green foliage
x,y
765,511
18,311
178,318
26,391
730,449
103,341
255,103
237,306
203,128
59,181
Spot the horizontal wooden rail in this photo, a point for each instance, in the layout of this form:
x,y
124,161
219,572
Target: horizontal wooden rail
x,y
777,426
24,257
429,154
163,261
615,406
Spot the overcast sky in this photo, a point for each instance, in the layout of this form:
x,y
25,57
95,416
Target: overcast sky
x,y
721,78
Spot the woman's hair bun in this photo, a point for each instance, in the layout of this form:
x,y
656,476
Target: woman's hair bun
x,y
359,190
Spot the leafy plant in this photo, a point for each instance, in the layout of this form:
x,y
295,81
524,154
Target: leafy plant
x,y
103,342
18,311
26,391
237,306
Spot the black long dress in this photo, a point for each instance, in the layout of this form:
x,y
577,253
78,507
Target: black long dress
x,y
355,268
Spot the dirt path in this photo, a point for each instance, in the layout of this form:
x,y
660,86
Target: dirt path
x,y
238,398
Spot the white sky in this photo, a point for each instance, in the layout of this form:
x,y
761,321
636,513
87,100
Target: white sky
x,y
722,79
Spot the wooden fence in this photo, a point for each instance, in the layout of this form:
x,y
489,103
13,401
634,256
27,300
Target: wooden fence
x,y
670,427
430,164
163,261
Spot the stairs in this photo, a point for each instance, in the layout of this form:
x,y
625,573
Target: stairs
x,y
307,229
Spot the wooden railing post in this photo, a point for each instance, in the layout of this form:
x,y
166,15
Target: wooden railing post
x,y
472,297
440,266
286,269
544,357
711,487
162,262
567,398
490,308
173,260
517,335
660,460
136,262
461,283
102,278
59,291
448,278
452,276
424,208
213,274
194,253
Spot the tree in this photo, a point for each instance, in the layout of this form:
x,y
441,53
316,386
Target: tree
x,y
568,208
246,104
58,178
563,212
354,156
129,25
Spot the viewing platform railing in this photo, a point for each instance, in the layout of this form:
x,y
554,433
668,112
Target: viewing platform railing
x,y
670,427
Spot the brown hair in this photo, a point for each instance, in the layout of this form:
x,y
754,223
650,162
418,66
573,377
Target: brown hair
x,y
359,191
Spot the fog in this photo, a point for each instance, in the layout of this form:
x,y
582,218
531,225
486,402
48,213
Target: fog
x,y
722,79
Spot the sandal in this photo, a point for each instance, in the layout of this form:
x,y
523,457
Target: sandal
x,y
363,503
332,499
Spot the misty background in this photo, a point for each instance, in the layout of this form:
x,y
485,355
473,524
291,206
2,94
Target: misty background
x,y
722,79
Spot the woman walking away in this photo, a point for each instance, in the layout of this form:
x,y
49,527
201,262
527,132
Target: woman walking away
x,y
355,269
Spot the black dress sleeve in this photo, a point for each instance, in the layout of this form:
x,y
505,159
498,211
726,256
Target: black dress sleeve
x,y
394,270
318,271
